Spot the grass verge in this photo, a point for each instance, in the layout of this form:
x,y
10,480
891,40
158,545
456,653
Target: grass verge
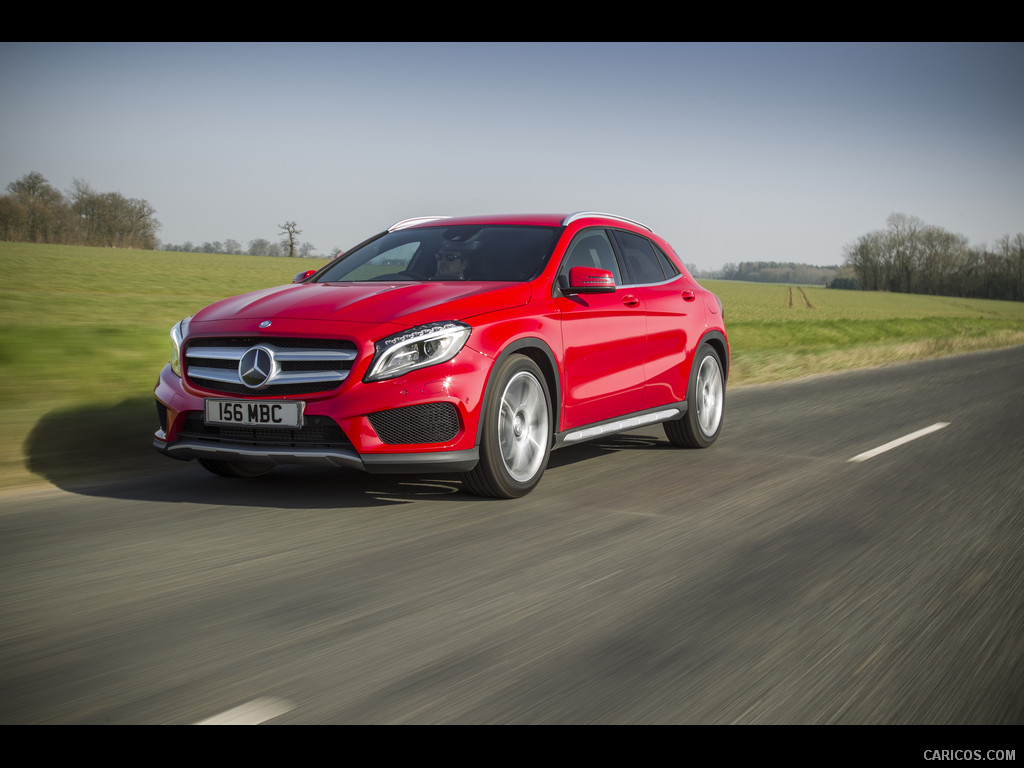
x,y
782,332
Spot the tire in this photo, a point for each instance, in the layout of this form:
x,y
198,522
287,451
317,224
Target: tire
x,y
227,468
515,441
705,398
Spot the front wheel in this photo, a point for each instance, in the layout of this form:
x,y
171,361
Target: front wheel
x,y
705,398
516,438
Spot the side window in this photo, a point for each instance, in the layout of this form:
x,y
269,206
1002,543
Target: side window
x,y
669,266
591,248
642,262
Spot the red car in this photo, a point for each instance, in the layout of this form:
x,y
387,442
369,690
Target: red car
x,y
461,345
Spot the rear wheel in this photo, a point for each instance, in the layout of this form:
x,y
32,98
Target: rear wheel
x,y
516,438
228,468
705,399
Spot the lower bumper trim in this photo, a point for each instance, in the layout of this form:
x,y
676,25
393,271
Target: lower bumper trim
x,y
385,463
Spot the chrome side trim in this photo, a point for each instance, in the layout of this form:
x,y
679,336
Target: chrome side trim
x,y
621,425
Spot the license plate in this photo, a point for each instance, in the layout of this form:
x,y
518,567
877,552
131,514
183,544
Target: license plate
x,y
255,413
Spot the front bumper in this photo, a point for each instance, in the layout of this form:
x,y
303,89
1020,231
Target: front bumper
x,y
425,421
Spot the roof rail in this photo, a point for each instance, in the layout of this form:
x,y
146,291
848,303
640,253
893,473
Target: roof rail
x,y
405,223
588,214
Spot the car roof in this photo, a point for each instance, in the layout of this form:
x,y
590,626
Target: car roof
x,y
515,219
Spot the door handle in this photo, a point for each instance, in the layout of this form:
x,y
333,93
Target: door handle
x,y
689,296
630,301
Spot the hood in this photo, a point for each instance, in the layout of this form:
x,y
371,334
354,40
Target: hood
x,y
402,303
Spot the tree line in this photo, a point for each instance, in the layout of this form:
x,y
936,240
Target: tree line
x,y
258,247
33,211
778,272
288,246
910,256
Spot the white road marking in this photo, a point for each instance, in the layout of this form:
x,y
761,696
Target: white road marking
x,y
900,441
253,713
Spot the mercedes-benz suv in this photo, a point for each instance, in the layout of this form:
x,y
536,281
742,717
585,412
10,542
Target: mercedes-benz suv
x,y
468,345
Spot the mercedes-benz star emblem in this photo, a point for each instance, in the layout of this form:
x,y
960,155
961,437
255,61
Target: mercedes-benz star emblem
x,y
257,367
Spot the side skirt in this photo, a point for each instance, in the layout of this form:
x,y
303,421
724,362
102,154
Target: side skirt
x,y
670,412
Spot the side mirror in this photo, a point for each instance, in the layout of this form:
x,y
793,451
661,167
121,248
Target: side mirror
x,y
303,275
588,280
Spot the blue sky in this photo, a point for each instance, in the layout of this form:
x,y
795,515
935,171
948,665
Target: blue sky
x,y
733,152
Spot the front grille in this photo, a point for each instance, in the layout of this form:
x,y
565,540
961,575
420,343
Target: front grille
x,y
318,432
429,423
303,366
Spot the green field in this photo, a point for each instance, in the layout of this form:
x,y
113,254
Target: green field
x,y
85,333
781,332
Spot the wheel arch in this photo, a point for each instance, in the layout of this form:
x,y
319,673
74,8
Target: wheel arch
x,y
541,354
717,341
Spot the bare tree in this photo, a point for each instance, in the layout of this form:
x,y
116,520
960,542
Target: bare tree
x,y
292,233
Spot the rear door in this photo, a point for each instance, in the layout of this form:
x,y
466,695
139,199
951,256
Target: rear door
x,y
673,316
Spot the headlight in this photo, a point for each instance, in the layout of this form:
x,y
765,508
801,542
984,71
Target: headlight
x,y
177,337
417,348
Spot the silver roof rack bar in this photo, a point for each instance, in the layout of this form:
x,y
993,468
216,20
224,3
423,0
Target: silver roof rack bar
x,y
405,223
587,214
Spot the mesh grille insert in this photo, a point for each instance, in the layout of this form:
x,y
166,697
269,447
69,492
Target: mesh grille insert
x,y
428,423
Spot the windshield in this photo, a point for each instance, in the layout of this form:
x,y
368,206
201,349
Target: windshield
x,y
505,254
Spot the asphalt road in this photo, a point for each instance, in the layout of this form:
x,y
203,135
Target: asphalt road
x,y
769,579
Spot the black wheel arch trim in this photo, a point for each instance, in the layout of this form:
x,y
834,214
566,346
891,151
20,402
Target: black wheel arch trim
x,y
720,344
533,348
